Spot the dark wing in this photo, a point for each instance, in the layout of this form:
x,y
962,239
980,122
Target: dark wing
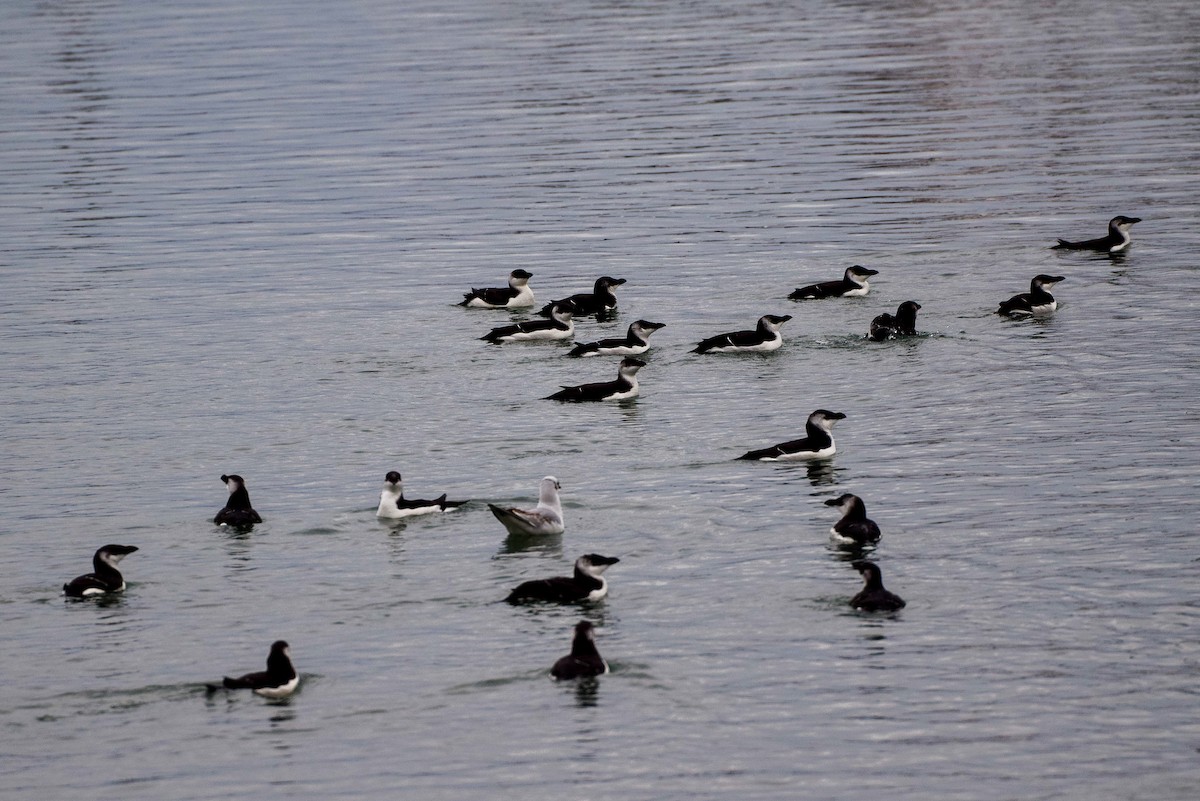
x,y
251,681
1090,244
860,531
883,327
496,296
583,392
516,328
571,667
739,338
588,347
775,451
1015,303
559,589
877,601
593,347
417,503
821,290
582,305
237,517
76,587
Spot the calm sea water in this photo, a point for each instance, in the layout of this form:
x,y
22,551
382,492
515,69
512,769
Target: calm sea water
x,y
232,238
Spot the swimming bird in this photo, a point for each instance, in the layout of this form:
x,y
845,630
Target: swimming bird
x,y
902,323
561,325
765,337
599,300
854,527
587,584
517,295
1037,301
1115,241
873,597
623,387
635,343
853,285
393,504
279,680
104,578
818,444
584,660
237,511
547,518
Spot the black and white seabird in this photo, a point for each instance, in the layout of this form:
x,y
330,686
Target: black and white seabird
x,y
547,518
561,325
1037,301
279,680
623,387
765,337
901,324
853,285
517,295
584,660
588,583
1116,240
237,511
873,597
104,578
635,343
393,504
854,527
818,444
599,300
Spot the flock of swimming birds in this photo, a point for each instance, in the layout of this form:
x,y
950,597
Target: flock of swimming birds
x,y
854,530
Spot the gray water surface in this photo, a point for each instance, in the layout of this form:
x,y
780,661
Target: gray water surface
x,y
232,238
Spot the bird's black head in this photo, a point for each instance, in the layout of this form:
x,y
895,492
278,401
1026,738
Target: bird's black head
x,y
117,550
392,477
597,559
870,570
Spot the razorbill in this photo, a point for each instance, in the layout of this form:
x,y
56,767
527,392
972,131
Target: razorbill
x,y
393,504
584,660
1037,301
1116,240
853,285
587,584
599,300
237,511
818,444
624,386
279,680
104,578
854,527
559,326
765,337
901,324
635,343
517,295
873,597
547,518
